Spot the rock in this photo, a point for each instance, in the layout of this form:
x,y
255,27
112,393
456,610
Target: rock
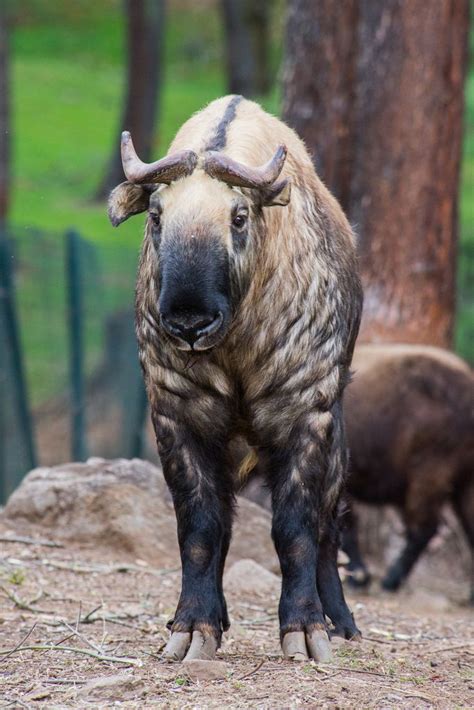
x,y
113,687
248,577
198,670
123,505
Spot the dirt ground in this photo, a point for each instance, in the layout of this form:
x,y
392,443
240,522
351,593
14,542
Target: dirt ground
x,y
79,629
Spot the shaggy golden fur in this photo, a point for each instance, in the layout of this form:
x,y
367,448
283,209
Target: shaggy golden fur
x,y
274,377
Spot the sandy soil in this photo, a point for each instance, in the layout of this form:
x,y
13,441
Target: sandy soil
x,y
92,629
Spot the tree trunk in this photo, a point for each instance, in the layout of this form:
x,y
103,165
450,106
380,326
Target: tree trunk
x,y
4,114
258,21
381,108
319,86
145,23
246,26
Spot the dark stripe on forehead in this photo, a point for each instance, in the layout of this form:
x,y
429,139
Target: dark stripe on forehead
x,y
219,138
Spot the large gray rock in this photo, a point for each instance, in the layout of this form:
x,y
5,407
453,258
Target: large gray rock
x,y
247,577
124,505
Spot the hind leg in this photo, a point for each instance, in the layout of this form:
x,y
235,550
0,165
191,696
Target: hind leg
x,y
464,507
424,499
416,541
328,580
330,586
358,574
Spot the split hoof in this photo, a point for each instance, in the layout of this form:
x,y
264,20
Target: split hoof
x,y
358,578
319,645
293,646
187,646
175,649
302,645
202,647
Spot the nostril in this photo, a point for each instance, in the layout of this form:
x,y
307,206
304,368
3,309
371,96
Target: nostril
x,y
188,326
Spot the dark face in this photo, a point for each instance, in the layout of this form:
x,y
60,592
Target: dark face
x,y
204,235
199,230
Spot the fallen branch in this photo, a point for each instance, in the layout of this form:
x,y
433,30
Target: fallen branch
x,y
257,668
468,644
9,653
70,649
29,541
347,669
80,636
21,604
259,620
60,681
106,569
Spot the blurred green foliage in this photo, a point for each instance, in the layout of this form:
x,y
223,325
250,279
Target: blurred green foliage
x,y
68,76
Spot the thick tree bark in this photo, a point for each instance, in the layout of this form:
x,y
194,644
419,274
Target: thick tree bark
x,y
319,86
5,135
246,26
145,23
381,109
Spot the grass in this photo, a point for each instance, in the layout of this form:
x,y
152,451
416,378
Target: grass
x,y
67,88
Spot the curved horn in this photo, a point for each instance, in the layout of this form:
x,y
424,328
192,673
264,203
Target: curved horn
x,y
169,168
220,166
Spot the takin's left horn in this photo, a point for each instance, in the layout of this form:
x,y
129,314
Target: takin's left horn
x,y
220,166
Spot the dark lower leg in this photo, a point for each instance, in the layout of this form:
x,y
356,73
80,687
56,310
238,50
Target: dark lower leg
x,y
464,507
294,520
416,542
224,550
197,476
358,575
330,587
201,532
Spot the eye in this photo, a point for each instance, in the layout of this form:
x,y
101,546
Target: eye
x,y
155,218
239,221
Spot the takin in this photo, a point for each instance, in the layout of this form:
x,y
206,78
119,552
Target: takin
x,y
248,304
410,424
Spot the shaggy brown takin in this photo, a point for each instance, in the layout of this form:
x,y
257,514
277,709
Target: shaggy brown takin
x,y
247,310
410,424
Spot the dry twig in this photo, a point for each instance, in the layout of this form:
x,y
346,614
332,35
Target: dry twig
x,y
13,650
71,649
29,541
21,604
257,668
106,569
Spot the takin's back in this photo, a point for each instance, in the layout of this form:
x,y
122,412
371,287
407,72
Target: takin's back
x,y
243,130
409,413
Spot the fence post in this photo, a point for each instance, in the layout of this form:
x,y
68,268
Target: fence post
x,y
11,350
139,432
76,354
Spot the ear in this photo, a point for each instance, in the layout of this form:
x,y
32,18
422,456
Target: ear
x,y
126,200
277,194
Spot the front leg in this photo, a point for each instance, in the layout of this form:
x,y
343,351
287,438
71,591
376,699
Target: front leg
x,y
295,474
196,473
306,477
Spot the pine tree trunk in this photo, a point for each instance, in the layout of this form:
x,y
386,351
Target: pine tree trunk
x,y
145,24
381,109
239,51
5,135
246,27
319,87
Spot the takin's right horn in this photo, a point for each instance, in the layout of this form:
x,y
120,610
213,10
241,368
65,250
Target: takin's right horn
x,y
169,168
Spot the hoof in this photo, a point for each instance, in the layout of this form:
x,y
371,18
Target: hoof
x,y
390,585
358,578
188,647
302,645
346,634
